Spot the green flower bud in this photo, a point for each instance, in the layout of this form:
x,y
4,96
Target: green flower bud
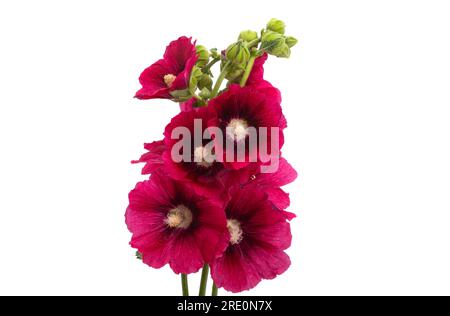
x,y
238,53
277,26
205,82
281,50
215,53
248,36
275,44
205,93
270,40
203,56
291,41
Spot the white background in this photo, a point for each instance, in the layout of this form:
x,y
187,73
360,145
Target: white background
x,y
366,93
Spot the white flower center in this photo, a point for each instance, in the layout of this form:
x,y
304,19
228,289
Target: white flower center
x,y
203,157
169,79
237,129
236,234
179,217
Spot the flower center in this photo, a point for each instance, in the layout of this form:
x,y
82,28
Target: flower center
x,y
237,129
203,157
179,217
169,79
234,227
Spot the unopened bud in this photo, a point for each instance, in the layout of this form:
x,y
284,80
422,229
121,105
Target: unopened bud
x,y
271,39
205,82
282,51
215,53
291,41
238,54
277,26
275,44
205,93
203,55
248,36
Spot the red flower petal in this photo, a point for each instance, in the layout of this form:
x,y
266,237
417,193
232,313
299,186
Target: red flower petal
x,y
178,53
153,158
257,74
234,272
185,254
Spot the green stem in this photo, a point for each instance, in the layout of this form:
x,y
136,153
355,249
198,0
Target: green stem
x,y
248,70
204,280
254,42
220,80
208,67
215,290
184,284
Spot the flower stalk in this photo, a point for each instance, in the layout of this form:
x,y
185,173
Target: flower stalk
x,y
184,284
215,290
204,280
220,80
248,70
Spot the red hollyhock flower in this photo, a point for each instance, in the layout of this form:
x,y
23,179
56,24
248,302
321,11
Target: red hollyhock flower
x,y
238,109
202,176
172,225
258,236
172,73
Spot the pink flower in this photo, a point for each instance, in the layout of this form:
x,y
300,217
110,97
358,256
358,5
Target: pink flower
x,y
201,172
239,109
258,236
172,225
172,73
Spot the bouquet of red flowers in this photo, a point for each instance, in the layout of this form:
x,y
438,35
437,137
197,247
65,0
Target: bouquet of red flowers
x,y
214,199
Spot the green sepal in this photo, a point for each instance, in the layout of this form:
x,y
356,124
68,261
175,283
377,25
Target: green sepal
x,y
196,75
291,41
181,95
